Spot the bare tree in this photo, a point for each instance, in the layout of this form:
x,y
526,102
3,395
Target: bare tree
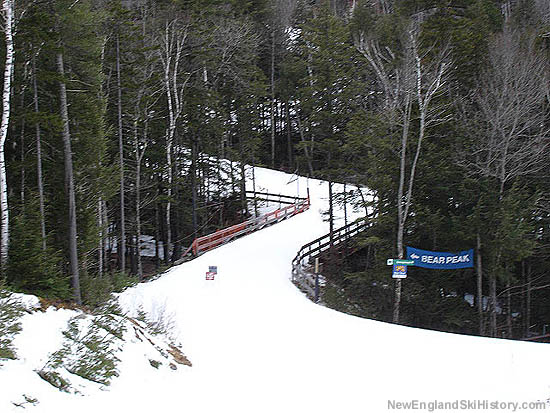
x,y
510,98
173,39
542,7
513,139
417,80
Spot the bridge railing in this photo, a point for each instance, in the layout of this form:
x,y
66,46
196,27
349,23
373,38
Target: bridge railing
x,y
302,265
276,198
207,242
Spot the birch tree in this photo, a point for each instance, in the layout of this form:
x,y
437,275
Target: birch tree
x,y
8,19
173,40
410,81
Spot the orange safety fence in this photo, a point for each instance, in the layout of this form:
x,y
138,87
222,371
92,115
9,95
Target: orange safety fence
x,y
210,241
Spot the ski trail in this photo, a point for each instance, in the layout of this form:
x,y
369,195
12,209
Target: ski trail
x,y
257,344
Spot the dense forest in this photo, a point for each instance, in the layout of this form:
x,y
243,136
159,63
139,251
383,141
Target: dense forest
x,y
117,114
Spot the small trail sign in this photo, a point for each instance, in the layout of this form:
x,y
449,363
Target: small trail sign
x,y
210,276
213,268
399,271
396,261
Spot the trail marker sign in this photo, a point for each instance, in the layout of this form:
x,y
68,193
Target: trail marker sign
x,y
399,271
211,273
396,261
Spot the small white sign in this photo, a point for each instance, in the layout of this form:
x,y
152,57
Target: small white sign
x,y
389,261
399,271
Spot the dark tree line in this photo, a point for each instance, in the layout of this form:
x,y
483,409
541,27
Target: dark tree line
x,y
132,119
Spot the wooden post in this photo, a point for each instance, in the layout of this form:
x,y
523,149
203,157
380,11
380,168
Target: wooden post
x,y
316,279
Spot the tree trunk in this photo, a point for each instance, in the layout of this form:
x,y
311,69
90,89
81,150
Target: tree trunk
x,y
139,158
168,247
8,9
101,236
131,242
345,205
272,111
122,244
69,182
194,187
363,201
289,137
158,223
173,41
493,293
528,300
479,270
106,242
397,300
39,158
176,221
22,193
254,185
306,151
330,215
401,208
244,208
508,309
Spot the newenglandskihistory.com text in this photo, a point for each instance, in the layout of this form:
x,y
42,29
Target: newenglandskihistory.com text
x,y
472,405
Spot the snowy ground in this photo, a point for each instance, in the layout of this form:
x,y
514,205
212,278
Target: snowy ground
x,y
258,345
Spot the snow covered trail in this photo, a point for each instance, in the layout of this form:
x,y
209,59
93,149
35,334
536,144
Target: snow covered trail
x,y
258,345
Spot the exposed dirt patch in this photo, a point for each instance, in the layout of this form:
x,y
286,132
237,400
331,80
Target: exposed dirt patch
x,y
46,303
178,356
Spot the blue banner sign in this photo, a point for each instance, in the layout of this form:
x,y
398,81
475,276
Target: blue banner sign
x,y
441,260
